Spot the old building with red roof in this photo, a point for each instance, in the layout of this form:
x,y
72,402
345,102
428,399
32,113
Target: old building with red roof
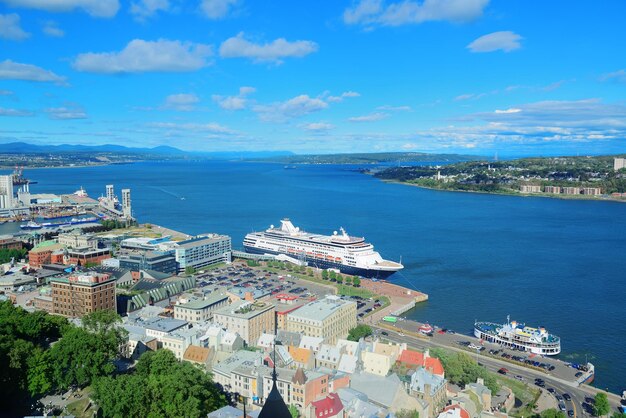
x,y
330,406
414,359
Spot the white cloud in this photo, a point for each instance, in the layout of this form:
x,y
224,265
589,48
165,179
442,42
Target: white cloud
x,y
217,9
372,117
96,8
379,12
51,28
184,102
617,76
212,127
317,126
10,28
344,95
147,56
11,70
469,96
510,110
15,112
506,41
144,9
66,113
394,108
6,93
275,51
292,108
238,102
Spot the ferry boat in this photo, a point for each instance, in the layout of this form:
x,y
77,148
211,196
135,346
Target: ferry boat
x,y
73,221
348,254
519,336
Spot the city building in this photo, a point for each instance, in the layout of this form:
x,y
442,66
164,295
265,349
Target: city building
x,y
202,251
330,406
454,411
164,262
42,253
11,244
78,295
552,189
77,240
126,204
297,387
87,256
110,192
159,327
592,191
571,190
528,188
6,192
247,319
200,310
619,163
178,341
330,318
430,388
414,359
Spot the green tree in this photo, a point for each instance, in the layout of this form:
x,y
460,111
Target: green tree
x,y
332,275
339,278
601,405
356,282
293,410
325,274
161,386
552,413
360,331
618,415
405,413
348,280
189,270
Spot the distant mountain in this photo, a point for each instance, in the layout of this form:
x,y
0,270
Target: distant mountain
x,y
24,148
370,158
164,150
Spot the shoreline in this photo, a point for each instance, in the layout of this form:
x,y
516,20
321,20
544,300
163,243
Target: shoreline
x,y
541,195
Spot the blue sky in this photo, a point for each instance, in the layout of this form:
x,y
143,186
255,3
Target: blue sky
x,y
469,76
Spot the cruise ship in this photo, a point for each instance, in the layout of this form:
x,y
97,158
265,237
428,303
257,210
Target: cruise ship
x,y
519,336
348,254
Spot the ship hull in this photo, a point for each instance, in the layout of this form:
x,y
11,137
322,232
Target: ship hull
x,y
325,264
518,345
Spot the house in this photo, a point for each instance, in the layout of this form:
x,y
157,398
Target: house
x,y
199,355
330,406
266,341
430,388
453,411
387,392
414,360
328,356
222,370
311,343
481,391
302,357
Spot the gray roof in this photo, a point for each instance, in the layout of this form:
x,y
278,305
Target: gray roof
x,y
320,309
381,390
163,324
238,359
205,302
232,412
422,377
257,309
289,338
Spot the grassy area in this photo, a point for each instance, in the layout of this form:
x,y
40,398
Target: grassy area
x,y
345,290
76,408
521,390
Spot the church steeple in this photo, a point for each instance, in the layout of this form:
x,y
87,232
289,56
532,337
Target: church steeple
x,y
274,406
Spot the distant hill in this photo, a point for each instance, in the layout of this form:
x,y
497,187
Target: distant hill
x,y
371,158
25,148
164,150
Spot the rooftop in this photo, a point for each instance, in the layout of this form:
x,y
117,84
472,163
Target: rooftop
x,y
205,302
320,309
245,310
207,238
163,324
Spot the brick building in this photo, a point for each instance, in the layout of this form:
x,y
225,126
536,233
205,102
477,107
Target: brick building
x,y
78,295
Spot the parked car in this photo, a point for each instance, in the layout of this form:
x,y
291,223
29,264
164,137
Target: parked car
x,y
503,371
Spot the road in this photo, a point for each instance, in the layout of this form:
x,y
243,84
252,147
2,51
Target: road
x,y
528,375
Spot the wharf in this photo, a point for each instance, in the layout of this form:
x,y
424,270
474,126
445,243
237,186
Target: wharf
x,y
401,298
